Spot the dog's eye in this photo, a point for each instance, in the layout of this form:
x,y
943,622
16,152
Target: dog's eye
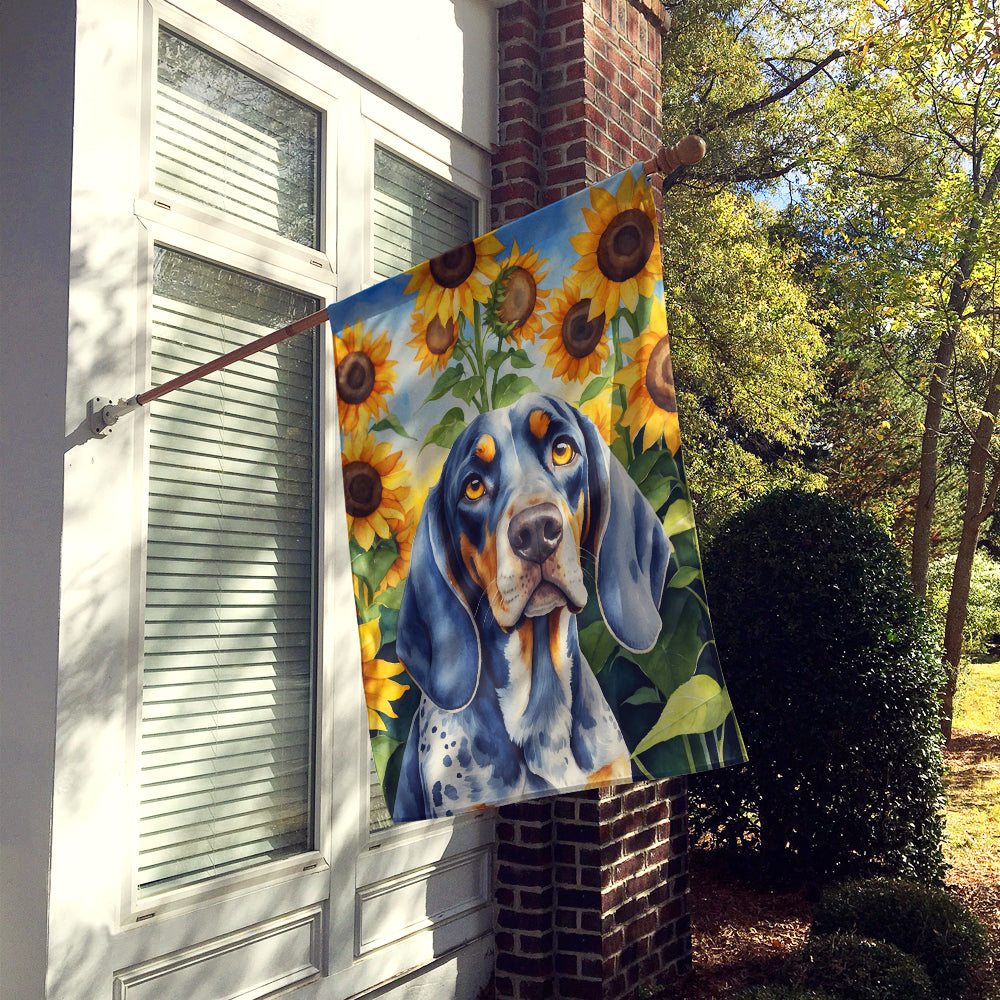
x,y
563,452
474,488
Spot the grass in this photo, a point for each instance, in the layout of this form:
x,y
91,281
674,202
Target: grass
x,y
973,784
978,699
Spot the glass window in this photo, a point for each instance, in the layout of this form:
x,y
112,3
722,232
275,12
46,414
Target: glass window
x,y
228,140
228,680
416,215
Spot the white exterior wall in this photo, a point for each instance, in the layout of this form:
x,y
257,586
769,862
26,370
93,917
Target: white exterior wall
x,y
74,292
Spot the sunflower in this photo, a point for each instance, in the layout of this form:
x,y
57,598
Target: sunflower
x,y
450,283
574,343
434,341
396,573
380,689
649,379
619,252
523,299
374,490
601,414
365,376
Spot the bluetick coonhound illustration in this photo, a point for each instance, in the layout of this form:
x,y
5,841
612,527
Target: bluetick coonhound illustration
x,y
509,707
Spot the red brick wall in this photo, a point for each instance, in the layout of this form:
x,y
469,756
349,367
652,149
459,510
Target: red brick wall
x,y
579,96
591,889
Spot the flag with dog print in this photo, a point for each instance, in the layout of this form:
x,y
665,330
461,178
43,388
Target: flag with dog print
x,y
529,594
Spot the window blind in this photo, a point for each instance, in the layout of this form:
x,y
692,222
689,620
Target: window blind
x,y
415,217
228,655
228,140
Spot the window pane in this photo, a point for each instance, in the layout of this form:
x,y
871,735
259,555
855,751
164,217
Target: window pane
x,y
231,141
416,217
228,658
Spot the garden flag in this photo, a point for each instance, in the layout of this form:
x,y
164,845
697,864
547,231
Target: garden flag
x,y
529,592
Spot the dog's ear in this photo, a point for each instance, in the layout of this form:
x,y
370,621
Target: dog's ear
x,y
436,637
631,549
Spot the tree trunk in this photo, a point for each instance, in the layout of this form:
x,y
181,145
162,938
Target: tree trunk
x,y
979,500
920,553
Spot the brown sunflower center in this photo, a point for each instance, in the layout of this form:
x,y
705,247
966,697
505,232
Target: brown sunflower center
x,y
660,377
452,268
355,377
625,245
519,300
362,489
579,335
440,337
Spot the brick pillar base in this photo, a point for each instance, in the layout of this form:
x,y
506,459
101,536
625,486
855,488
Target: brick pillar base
x,y
591,893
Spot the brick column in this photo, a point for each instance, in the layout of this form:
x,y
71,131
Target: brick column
x,y
591,889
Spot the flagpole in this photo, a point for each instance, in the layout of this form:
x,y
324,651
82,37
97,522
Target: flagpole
x,y
103,413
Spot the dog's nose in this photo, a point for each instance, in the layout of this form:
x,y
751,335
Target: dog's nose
x,y
534,533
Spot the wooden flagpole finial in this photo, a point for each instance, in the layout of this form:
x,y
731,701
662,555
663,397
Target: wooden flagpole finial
x,y
668,158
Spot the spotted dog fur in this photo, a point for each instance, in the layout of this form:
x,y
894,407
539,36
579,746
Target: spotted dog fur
x,y
487,628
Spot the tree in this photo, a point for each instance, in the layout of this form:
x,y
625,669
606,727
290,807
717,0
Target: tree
x,y
748,355
913,183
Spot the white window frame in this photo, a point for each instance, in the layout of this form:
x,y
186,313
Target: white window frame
x,y
180,224
351,872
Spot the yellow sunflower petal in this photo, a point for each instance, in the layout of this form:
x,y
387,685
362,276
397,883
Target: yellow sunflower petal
x,y
371,639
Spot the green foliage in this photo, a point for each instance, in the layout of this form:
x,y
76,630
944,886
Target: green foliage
x,y
748,354
834,673
983,612
857,968
926,922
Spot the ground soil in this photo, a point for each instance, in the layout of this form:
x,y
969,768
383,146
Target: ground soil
x,y
742,934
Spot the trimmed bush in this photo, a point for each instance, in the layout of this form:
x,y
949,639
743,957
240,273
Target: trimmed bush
x,y
856,968
925,922
834,673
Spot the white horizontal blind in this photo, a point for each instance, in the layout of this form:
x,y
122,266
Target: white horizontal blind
x,y
228,658
415,217
228,140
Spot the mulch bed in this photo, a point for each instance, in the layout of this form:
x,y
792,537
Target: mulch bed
x,y
742,934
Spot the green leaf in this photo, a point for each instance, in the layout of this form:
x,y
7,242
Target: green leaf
x,y
644,696
684,577
383,747
511,388
447,430
390,422
679,517
495,358
520,359
657,491
697,706
644,463
598,645
372,564
594,388
445,382
467,388
673,659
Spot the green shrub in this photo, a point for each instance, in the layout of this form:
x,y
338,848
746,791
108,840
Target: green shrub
x,y
834,672
856,968
925,922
